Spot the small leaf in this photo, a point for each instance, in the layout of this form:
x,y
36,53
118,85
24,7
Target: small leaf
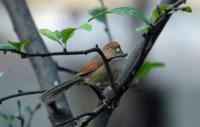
x,y
1,73
188,9
142,28
171,12
155,11
66,34
3,115
145,68
86,26
26,109
100,18
123,11
6,46
12,117
58,34
51,35
19,45
131,12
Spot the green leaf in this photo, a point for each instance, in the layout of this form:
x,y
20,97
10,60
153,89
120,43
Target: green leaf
x,y
85,26
1,73
12,117
51,35
4,116
26,109
145,68
19,45
171,12
6,46
58,34
188,9
156,11
100,18
142,28
66,34
123,11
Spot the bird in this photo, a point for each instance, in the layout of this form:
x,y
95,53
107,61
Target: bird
x,y
93,73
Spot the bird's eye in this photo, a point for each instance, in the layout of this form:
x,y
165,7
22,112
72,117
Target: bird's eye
x,y
118,50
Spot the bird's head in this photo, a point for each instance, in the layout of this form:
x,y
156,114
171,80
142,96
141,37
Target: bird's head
x,y
112,49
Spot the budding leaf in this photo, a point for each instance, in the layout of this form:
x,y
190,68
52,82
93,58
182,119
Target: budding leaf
x,y
4,116
6,46
86,26
58,34
161,9
188,9
19,45
1,73
123,11
145,68
142,28
51,35
66,34
171,12
26,109
12,117
96,12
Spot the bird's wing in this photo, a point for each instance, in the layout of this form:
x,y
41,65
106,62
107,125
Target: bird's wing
x,y
59,88
89,67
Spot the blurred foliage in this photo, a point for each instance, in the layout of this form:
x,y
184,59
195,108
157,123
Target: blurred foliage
x,y
146,68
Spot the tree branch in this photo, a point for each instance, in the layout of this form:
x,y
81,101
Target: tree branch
x,y
45,68
134,61
73,119
32,113
20,93
107,28
20,117
84,52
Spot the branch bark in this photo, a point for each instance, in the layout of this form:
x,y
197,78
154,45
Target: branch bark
x,y
132,64
45,68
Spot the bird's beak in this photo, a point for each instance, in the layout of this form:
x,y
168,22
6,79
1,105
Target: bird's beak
x,y
118,50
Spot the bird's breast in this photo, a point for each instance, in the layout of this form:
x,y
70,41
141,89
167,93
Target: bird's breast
x,y
100,76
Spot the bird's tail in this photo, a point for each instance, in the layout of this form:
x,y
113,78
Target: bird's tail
x,y
59,88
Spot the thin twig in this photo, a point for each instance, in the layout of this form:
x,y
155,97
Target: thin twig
x,y
32,113
73,119
117,56
107,28
21,93
45,69
123,85
85,52
106,62
150,39
27,55
20,117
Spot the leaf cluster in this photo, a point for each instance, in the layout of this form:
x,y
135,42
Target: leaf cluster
x,y
11,117
61,37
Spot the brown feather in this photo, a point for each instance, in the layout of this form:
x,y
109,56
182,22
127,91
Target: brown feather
x,y
112,44
89,67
